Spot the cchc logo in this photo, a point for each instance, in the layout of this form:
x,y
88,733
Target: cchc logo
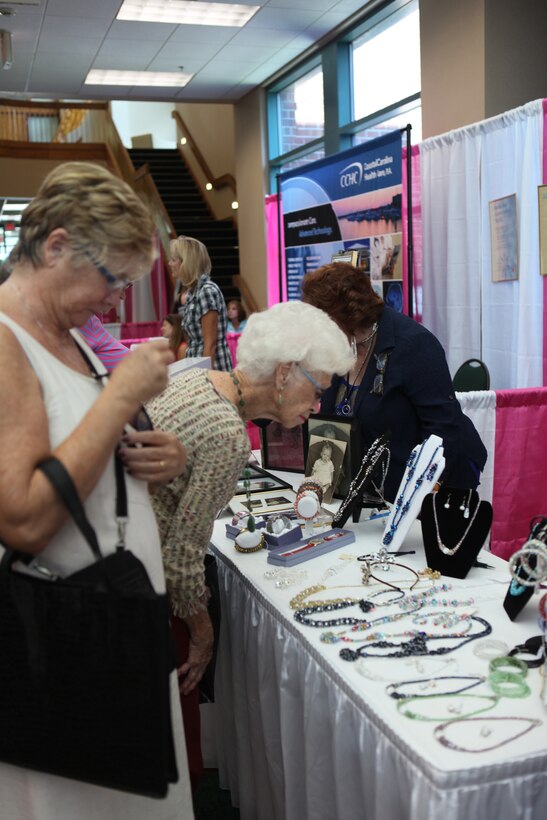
x,y
351,175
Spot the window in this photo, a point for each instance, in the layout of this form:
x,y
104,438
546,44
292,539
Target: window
x,y
365,81
412,116
301,112
386,63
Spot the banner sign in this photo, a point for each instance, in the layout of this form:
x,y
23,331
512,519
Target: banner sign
x,y
350,201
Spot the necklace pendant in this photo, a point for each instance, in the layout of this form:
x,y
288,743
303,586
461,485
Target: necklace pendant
x,y
343,408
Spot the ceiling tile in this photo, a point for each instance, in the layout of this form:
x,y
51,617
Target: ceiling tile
x,y
57,46
283,18
203,34
75,26
144,50
91,8
246,54
265,36
123,30
310,5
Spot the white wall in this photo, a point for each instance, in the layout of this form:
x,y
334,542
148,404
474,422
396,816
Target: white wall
x,y
133,119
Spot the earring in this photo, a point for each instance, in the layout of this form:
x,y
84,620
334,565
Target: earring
x,y
447,503
354,345
279,399
466,510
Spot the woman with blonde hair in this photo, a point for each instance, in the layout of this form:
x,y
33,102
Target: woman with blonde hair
x,y
204,311
83,238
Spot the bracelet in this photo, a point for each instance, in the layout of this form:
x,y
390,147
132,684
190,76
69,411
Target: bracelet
x,y
508,685
490,648
253,547
533,646
507,661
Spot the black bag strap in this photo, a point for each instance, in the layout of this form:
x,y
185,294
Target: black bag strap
x,y
60,478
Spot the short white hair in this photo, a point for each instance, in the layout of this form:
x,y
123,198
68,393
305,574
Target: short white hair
x,y
293,332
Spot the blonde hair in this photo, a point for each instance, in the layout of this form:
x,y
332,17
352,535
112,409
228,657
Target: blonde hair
x,y
194,257
104,218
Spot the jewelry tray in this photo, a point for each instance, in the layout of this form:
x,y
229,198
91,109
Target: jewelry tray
x,y
310,547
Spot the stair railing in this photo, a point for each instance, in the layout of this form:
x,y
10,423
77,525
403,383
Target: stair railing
x,y
58,130
225,180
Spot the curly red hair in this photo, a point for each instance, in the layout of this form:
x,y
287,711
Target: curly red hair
x,y
345,293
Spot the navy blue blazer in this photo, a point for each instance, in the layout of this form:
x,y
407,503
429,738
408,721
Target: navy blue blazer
x,y
418,400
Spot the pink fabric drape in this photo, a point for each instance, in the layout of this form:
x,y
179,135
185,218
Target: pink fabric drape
x,y
138,331
233,339
520,477
272,252
545,277
416,233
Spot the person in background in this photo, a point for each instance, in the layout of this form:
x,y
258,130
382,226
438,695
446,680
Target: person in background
x,y
171,328
204,312
400,382
237,317
287,356
83,237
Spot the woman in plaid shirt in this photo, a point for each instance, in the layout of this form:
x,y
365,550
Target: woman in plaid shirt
x,y
204,312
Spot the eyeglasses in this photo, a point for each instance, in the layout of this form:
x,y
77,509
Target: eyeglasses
x,y
320,390
113,282
378,383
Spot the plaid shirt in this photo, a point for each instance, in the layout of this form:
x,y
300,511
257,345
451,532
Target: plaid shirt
x,y
207,296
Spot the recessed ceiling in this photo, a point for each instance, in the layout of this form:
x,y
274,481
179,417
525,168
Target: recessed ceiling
x,y
57,42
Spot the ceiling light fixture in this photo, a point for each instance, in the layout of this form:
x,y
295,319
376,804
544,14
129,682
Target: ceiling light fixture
x,y
158,79
186,12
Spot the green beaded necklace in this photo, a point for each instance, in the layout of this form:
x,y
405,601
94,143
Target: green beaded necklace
x,y
402,706
240,399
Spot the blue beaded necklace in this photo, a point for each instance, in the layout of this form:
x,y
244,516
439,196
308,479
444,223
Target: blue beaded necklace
x,y
402,506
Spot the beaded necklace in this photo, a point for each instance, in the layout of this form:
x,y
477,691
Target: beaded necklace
x,y
375,637
402,504
375,452
440,732
402,706
415,646
241,400
431,683
442,546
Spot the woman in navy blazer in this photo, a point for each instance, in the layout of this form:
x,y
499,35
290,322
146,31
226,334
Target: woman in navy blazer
x,y
400,382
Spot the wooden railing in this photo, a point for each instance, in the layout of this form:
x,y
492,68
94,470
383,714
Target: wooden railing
x,y
216,182
47,129
247,297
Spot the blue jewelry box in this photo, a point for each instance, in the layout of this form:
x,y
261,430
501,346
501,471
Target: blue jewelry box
x,y
232,532
284,539
311,547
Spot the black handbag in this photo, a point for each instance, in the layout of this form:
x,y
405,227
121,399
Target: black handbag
x,y
84,666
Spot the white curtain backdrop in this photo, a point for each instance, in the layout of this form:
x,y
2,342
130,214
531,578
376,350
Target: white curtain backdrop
x,y
461,172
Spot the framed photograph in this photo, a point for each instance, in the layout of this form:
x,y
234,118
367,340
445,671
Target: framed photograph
x,y
351,257
542,210
343,435
504,238
281,448
259,481
264,503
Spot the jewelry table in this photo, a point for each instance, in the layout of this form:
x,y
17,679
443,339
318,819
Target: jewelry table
x,y
302,735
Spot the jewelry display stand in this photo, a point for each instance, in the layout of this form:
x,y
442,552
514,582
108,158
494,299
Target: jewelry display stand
x,y
375,460
424,466
455,525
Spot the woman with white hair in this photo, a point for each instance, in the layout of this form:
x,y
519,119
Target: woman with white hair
x,y
287,356
204,310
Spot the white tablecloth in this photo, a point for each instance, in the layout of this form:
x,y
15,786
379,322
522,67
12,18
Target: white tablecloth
x,y
301,735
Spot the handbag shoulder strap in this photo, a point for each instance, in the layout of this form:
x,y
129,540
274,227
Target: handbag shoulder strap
x,y
59,477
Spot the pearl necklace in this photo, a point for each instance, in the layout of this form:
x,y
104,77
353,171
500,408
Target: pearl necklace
x,y
452,550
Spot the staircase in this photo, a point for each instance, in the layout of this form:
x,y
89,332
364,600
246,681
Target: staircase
x,y
190,215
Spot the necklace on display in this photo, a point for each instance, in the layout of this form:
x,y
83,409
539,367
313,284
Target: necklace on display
x,y
454,708
434,665
442,546
375,452
415,646
440,731
431,683
402,504
344,408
